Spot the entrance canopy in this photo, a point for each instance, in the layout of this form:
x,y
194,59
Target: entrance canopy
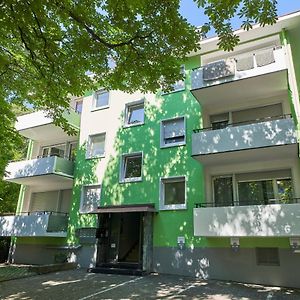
x,y
124,208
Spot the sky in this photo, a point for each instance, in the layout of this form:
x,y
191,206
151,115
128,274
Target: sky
x,y
196,16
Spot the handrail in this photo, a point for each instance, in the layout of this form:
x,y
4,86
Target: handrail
x,y
238,55
245,203
39,157
259,120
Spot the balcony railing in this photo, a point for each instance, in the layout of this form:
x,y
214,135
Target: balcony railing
x,y
52,165
35,223
271,220
261,133
238,68
244,202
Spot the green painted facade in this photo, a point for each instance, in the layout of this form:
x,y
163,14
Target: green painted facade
x,y
157,162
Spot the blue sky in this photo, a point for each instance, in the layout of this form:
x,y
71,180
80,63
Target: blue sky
x,y
196,17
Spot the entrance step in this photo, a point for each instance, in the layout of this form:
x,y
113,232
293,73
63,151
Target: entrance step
x,y
121,271
121,265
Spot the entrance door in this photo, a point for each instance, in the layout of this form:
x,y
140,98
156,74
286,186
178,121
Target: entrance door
x,y
120,238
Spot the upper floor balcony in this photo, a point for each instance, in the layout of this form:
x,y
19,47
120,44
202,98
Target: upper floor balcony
x,y
250,75
40,127
277,219
34,224
262,139
41,171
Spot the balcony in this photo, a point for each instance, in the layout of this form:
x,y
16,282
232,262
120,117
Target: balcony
x,y
38,126
233,86
34,224
272,138
41,171
272,220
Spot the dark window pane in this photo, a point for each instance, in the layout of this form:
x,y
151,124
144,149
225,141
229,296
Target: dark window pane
x,y
174,192
255,192
223,191
133,167
267,256
285,190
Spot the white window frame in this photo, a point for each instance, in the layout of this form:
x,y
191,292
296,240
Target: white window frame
x,y
123,167
94,108
171,179
76,101
126,115
88,150
162,139
82,195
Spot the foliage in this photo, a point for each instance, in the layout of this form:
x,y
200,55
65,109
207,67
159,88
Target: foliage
x,y
250,12
50,48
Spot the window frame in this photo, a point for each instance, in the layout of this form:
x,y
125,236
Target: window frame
x,y
170,179
78,100
88,150
126,115
122,171
162,138
82,195
94,101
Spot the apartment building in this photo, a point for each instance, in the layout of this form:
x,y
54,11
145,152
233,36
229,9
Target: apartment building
x,y
203,181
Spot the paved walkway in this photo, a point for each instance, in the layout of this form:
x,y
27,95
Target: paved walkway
x,y
79,285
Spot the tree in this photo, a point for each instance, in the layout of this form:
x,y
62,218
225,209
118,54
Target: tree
x,y
48,48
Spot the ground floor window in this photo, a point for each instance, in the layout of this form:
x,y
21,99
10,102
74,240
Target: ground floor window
x,y
256,188
173,193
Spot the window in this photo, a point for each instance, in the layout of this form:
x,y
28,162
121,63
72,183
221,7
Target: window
x,y
173,132
267,257
78,105
101,99
55,150
219,121
90,198
173,195
255,188
96,146
223,191
131,167
72,150
134,113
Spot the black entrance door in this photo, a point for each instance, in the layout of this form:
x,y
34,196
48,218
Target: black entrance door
x,y
120,239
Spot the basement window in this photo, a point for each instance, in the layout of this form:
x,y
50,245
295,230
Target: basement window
x,y
267,257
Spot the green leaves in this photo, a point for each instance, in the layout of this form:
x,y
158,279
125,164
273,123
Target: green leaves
x,y
250,12
48,47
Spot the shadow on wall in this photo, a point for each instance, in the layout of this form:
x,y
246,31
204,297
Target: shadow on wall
x,y
84,173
